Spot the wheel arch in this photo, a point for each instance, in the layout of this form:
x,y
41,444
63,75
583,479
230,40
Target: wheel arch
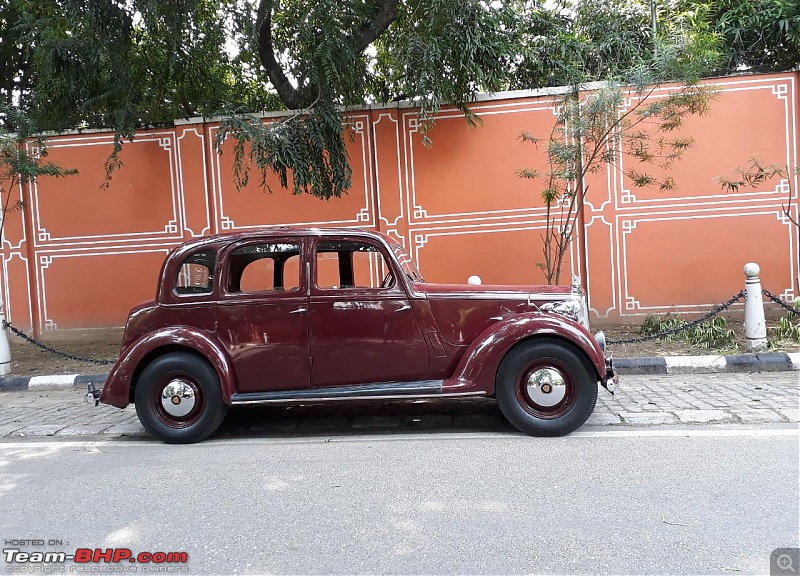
x,y
556,338
479,364
120,384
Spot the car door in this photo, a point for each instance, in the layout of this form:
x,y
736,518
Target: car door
x,y
362,325
263,314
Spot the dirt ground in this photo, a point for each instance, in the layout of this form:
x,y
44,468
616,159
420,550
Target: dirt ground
x,y
28,360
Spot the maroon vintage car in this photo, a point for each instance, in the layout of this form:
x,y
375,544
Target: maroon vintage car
x,y
288,315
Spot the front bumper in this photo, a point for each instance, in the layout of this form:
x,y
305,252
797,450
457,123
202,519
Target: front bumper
x,y
611,380
92,394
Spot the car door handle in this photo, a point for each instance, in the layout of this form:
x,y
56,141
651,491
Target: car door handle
x,y
404,307
299,311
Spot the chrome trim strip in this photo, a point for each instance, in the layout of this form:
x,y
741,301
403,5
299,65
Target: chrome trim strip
x,y
348,391
529,298
312,400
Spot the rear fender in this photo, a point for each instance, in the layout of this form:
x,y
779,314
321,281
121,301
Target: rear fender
x,y
478,367
117,389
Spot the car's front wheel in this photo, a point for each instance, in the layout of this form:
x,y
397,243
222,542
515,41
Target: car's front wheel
x,y
178,398
546,387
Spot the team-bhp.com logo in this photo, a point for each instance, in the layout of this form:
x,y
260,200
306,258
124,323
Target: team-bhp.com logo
x,y
91,559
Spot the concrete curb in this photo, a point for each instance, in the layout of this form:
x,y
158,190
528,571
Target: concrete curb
x,y
767,362
54,382
710,364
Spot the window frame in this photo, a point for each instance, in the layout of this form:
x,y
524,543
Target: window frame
x,y
212,275
392,290
225,274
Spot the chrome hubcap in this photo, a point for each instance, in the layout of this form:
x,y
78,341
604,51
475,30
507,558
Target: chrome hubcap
x,y
545,387
178,398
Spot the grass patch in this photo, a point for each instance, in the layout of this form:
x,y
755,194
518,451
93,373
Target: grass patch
x,y
788,330
711,334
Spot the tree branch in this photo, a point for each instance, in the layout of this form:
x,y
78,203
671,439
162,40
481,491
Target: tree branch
x,y
187,108
385,13
266,53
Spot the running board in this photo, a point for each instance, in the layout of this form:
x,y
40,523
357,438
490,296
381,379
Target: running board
x,y
386,391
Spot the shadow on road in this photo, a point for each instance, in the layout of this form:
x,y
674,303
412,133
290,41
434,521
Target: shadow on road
x,y
364,417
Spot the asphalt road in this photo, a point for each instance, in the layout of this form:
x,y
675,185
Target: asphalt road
x,y
697,501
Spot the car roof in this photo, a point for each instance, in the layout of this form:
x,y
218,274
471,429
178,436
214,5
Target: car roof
x,y
282,231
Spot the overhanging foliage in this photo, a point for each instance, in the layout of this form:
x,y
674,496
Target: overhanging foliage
x,y
121,65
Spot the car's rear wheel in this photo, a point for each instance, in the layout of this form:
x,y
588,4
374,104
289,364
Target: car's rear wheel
x,y
178,398
545,387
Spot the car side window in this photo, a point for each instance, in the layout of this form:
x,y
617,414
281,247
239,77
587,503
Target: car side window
x,y
264,267
351,264
196,274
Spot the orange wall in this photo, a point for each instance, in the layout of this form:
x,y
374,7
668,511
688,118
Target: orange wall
x,y
80,256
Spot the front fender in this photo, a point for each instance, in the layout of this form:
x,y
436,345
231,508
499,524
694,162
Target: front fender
x,y
116,390
478,367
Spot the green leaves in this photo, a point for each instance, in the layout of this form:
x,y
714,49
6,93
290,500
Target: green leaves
x,y
445,51
787,330
594,130
756,35
751,176
579,41
123,65
126,65
711,334
308,149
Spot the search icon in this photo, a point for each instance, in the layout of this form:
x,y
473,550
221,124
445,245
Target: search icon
x,y
785,561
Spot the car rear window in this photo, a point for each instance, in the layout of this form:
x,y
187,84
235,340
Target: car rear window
x,y
196,274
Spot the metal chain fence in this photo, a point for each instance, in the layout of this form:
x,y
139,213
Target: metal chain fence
x,y
710,314
688,325
52,350
781,303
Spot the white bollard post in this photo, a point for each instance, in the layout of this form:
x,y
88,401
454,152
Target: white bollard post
x,y
5,351
755,326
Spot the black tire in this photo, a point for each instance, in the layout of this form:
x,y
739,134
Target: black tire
x,y
546,387
200,393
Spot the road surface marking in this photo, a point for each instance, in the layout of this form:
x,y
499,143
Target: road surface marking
x,y
683,433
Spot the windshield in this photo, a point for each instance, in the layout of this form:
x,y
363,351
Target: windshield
x,y
406,263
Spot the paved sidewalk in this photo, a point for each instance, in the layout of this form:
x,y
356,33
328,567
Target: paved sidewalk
x,y
708,364
640,400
